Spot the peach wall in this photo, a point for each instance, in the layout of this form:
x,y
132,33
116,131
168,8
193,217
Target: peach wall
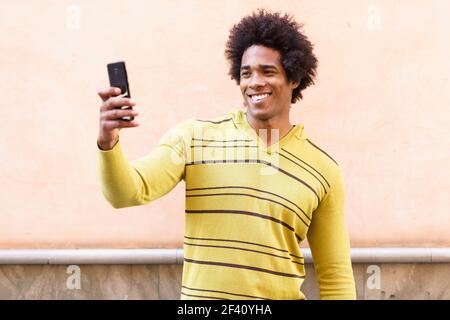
x,y
379,106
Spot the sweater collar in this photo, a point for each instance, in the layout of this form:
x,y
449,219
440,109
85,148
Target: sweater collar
x,y
240,121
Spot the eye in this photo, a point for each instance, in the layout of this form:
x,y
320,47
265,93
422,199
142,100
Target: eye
x,y
244,74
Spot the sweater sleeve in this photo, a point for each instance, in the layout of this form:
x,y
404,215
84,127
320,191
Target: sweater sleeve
x,y
330,246
126,184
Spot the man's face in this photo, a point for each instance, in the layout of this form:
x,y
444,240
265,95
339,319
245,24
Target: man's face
x,y
266,90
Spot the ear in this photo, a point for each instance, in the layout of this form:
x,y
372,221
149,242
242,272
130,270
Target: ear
x,y
294,84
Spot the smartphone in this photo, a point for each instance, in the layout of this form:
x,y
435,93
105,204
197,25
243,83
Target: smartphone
x,y
117,73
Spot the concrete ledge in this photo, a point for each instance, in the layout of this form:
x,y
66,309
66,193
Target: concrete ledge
x,y
175,256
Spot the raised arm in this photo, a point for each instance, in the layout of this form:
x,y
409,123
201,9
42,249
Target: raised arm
x,y
124,183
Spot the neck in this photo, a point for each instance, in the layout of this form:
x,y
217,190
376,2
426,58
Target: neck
x,y
280,123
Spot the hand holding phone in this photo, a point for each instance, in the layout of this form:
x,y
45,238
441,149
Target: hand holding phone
x,y
116,111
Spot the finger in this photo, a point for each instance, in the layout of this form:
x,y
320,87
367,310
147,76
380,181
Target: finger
x,y
118,113
106,93
116,102
115,124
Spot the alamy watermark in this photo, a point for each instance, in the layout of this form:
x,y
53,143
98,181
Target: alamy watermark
x,y
374,279
225,146
73,281
73,21
374,17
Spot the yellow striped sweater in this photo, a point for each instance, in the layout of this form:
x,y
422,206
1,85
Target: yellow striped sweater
x,y
248,208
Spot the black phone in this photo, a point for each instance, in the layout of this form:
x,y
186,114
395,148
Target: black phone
x,y
117,73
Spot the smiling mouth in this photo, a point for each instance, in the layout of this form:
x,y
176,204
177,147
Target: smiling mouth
x,y
257,98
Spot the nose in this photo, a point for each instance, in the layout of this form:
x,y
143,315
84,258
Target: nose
x,y
256,81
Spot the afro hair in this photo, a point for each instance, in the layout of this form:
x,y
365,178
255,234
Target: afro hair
x,y
279,32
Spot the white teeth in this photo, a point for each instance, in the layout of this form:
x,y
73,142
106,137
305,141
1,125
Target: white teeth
x,y
259,97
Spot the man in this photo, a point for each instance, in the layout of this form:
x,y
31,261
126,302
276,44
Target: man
x,y
256,186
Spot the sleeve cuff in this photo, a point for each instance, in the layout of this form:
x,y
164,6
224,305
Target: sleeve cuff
x,y
109,150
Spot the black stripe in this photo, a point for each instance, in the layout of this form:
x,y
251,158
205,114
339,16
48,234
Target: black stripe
x,y
322,151
253,196
241,266
256,161
215,122
195,296
325,189
296,256
209,140
245,213
249,188
307,165
246,242
236,248
209,146
217,291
